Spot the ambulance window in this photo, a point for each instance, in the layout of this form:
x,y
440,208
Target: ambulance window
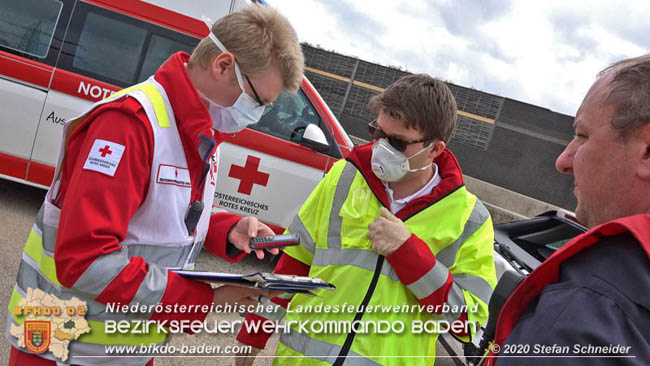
x,y
28,26
160,48
109,47
287,119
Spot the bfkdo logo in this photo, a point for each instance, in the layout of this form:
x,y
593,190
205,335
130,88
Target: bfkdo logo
x,y
43,322
37,335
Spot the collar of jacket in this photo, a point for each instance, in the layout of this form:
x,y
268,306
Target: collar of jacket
x,y
450,174
192,116
548,272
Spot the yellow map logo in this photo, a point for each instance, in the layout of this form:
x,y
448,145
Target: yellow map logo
x,y
65,316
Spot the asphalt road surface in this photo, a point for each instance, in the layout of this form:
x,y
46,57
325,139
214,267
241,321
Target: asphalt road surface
x,y
18,207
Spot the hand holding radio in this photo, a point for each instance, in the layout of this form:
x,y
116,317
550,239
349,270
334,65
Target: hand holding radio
x,y
274,241
245,229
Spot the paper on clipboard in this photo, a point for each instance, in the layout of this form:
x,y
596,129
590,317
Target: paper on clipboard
x,y
266,281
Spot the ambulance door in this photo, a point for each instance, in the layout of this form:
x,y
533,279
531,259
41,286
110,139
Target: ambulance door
x,y
30,40
268,170
104,51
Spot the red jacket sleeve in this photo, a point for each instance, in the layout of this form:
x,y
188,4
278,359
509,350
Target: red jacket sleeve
x,y
95,212
286,265
216,242
412,261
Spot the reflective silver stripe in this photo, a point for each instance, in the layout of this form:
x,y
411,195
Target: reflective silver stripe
x,y
48,253
78,351
49,238
32,263
365,259
341,193
430,282
336,256
29,277
474,284
37,230
170,257
297,227
194,253
153,286
456,298
46,232
476,219
39,217
320,350
276,315
101,273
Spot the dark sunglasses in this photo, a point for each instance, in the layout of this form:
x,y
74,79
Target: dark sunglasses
x,y
257,97
400,145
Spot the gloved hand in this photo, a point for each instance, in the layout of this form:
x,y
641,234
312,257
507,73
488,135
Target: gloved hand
x,y
387,233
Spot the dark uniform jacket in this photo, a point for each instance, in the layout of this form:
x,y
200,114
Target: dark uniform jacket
x,y
602,298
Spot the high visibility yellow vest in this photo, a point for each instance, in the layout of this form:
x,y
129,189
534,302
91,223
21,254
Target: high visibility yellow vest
x,y
333,226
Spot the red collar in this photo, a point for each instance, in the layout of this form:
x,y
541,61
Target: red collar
x,y
548,271
450,174
192,116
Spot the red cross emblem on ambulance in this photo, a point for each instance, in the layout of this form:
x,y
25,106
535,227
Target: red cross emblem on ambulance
x,y
248,175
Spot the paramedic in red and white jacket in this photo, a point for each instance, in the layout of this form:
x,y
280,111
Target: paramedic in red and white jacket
x,y
134,185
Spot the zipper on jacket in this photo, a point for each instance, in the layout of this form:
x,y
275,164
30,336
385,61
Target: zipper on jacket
x,y
371,290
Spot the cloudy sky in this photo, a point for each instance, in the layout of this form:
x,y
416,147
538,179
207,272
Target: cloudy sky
x,y
542,52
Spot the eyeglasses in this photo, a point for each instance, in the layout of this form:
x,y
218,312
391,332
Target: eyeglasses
x,y
257,97
400,145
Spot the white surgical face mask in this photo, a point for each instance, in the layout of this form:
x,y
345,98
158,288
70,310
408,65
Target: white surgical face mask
x,y
391,165
224,119
245,111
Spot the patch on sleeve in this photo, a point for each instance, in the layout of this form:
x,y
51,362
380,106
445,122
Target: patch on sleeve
x,y
104,157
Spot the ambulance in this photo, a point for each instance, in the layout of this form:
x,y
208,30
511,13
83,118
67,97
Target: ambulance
x,y
59,56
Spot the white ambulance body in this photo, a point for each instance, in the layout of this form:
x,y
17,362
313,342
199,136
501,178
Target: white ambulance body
x,y
59,56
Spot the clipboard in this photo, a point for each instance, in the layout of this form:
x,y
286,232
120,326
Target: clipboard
x,y
262,280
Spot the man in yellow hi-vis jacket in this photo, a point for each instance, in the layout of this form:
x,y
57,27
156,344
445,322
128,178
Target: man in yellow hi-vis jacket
x,y
393,227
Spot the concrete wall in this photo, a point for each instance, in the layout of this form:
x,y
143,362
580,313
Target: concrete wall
x,y
505,205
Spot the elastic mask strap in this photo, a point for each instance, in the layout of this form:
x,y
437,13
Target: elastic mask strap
x,y
223,48
416,154
419,152
423,168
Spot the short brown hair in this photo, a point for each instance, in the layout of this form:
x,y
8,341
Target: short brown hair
x,y
258,36
630,94
420,101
